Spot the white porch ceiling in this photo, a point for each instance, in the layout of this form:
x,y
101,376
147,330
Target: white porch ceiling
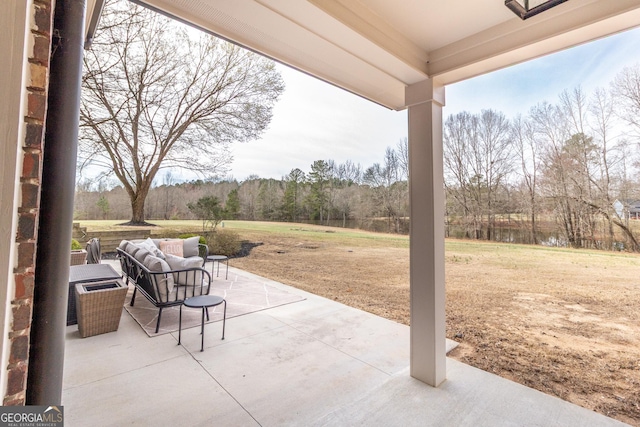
x,y
375,48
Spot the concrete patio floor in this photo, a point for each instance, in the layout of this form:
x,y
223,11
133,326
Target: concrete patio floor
x,y
311,363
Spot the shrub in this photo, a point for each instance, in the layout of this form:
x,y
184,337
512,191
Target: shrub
x,y
209,210
224,242
75,245
202,240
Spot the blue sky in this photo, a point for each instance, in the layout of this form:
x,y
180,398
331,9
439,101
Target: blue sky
x,y
314,120
515,89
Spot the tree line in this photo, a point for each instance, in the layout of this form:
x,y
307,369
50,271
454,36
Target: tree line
x,y
330,193
561,168
563,165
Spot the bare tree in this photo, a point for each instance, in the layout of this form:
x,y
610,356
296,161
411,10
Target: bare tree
x,y
557,185
460,131
478,159
389,190
402,152
626,89
167,181
528,152
574,104
602,112
347,177
349,173
248,194
270,195
495,157
158,95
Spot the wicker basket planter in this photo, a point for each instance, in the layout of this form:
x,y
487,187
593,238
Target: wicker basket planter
x,y
99,306
78,257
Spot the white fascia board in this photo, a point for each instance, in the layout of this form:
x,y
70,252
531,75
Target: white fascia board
x,y
516,41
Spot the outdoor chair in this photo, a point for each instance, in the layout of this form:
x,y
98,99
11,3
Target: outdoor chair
x,y
94,253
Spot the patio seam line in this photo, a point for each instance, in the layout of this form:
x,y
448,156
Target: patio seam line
x,y
125,372
222,387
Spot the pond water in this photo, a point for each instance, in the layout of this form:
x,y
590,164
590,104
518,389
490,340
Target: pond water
x,y
552,238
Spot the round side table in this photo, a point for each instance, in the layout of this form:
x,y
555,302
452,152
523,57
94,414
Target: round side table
x,y
219,259
203,302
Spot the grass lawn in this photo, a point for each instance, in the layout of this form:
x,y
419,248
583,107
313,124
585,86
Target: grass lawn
x,y
563,321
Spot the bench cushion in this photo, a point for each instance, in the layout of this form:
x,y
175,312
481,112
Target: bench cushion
x,y
131,248
123,245
164,282
141,255
188,277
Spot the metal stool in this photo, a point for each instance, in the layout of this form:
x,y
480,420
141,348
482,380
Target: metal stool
x,y
219,258
203,302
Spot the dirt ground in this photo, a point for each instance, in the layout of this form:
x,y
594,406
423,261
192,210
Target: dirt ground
x,y
564,322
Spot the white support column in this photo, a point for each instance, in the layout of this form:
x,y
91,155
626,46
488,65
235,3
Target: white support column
x,y
426,194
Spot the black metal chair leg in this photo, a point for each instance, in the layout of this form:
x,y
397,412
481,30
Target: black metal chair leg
x,y
133,297
224,317
202,330
159,317
180,325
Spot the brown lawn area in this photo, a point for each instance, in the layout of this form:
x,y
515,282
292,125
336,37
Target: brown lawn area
x,y
565,322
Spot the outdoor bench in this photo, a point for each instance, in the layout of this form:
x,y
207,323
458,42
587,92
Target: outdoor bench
x,y
165,280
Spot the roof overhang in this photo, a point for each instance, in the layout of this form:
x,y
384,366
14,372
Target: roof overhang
x,y
376,48
92,19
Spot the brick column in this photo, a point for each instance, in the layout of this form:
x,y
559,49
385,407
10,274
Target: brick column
x,y
39,42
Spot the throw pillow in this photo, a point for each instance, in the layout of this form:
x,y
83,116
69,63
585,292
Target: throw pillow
x,y
141,254
151,247
131,249
191,246
193,275
123,245
164,282
172,247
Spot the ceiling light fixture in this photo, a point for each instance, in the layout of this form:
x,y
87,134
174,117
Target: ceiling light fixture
x,y
528,8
